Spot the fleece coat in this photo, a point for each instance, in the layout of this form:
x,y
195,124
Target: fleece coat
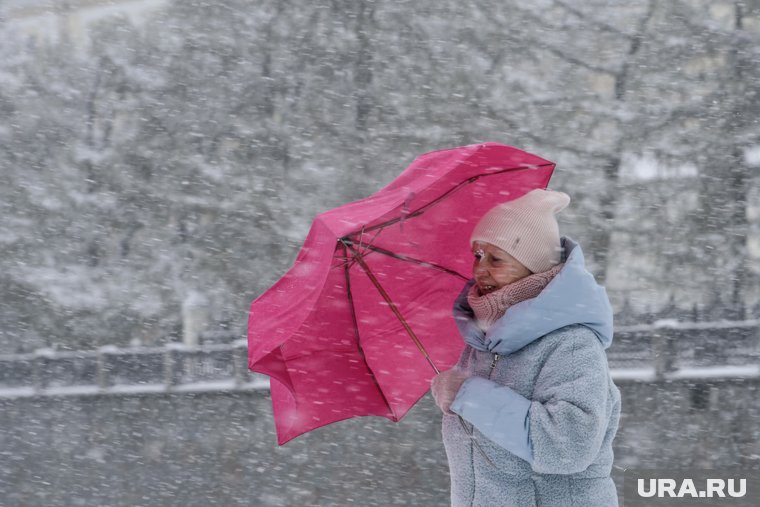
x,y
540,408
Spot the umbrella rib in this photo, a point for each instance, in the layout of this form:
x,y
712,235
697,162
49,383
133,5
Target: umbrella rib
x,y
359,258
446,194
356,333
416,261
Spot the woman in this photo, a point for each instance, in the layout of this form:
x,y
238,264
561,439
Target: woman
x,y
537,405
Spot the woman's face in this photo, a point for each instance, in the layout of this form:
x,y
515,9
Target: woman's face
x,y
493,268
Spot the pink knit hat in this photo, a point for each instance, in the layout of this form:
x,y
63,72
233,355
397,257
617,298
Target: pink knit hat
x,y
526,228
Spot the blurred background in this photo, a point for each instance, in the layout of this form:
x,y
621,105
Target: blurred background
x,y
157,155
161,162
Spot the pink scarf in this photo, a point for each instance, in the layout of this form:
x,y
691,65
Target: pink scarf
x,y
491,307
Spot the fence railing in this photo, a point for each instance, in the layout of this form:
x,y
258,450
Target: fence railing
x,y
175,367
670,348
664,350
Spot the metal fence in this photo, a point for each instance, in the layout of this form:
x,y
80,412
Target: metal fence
x,y
112,370
673,349
666,349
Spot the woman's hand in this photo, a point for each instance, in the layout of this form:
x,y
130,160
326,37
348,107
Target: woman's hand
x,y
445,387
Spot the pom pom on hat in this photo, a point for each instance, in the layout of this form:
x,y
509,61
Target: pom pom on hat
x,y
526,228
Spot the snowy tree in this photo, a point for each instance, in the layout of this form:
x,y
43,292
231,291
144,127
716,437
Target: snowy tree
x,y
188,155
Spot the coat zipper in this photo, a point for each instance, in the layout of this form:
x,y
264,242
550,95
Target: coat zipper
x,y
495,360
473,442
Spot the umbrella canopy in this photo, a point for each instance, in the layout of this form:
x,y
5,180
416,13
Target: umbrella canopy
x,y
362,320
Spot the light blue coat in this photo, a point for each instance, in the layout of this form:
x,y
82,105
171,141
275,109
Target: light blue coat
x,y
540,403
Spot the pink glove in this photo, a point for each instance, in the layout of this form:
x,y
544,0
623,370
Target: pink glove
x,y
445,387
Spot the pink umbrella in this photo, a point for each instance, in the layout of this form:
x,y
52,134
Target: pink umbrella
x,y
362,320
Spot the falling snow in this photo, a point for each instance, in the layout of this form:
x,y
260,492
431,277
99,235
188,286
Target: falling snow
x,y
162,161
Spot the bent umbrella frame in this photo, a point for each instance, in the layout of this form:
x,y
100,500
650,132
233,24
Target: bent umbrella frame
x,y
312,330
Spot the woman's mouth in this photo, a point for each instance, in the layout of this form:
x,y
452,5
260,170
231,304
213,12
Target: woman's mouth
x,y
486,288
